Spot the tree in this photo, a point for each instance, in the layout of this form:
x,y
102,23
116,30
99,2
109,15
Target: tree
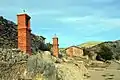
x,y
105,52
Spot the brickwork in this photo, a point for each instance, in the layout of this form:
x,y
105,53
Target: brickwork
x,y
55,46
24,33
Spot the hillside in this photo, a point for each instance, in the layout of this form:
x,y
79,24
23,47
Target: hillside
x,y
106,50
8,36
89,44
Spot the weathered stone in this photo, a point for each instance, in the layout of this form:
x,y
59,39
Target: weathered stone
x,y
41,66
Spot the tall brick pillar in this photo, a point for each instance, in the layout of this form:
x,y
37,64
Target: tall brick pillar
x,y
55,46
24,33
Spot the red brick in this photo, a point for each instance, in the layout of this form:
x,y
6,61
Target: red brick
x,y
55,46
24,32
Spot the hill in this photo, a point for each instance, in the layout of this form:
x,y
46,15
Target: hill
x,y
104,51
89,44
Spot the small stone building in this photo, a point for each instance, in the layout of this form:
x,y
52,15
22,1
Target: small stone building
x,y
74,51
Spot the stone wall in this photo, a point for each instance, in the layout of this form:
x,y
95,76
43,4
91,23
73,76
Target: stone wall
x,y
74,51
77,52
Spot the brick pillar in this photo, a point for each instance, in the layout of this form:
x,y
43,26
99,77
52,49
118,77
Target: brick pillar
x,y
24,33
55,46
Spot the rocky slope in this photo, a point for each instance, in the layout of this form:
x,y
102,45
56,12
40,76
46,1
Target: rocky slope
x,y
8,36
104,51
8,33
15,65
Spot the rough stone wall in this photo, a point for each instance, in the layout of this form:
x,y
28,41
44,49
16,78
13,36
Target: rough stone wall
x,y
73,51
77,52
69,51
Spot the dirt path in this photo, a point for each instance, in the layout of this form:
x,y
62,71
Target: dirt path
x,y
110,73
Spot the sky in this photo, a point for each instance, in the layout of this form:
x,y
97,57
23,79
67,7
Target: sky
x,y
73,21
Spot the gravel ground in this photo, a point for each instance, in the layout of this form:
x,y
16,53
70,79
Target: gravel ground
x,y
110,73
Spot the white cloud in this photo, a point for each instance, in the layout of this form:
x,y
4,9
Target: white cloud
x,y
71,19
8,9
103,1
90,25
48,28
113,22
44,12
91,20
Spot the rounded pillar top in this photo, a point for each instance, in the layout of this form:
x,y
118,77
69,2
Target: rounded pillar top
x,y
55,37
24,14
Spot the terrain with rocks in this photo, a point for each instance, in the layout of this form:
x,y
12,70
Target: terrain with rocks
x,y
16,65
104,51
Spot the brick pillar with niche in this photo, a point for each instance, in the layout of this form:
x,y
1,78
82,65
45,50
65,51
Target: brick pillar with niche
x,y
55,46
24,33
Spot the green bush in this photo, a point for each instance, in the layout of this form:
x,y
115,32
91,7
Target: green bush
x,y
105,52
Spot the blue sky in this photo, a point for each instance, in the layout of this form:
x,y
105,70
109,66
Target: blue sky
x,y
74,21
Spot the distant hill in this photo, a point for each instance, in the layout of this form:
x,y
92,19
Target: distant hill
x,y
89,44
8,36
105,50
